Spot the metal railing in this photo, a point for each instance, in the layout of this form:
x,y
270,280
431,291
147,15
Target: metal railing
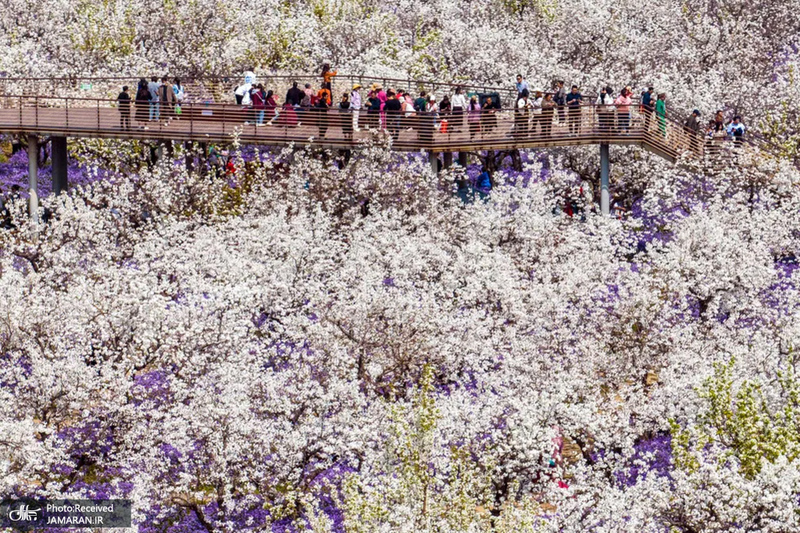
x,y
220,89
336,128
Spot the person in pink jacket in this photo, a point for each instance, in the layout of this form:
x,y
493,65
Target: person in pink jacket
x,y
623,103
383,98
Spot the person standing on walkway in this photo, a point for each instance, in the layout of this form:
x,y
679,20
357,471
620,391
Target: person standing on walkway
x,y
661,112
474,116
142,102
421,103
521,118
536,111
574,99
327,75
548,111
605,110
692,129
179,90
294,95
719,121
648,106
489,117
393,114
623,103
381,94
459,102
259,99
560,98
522,85
321,112
736,130
345,108
355,105
124,103
167,97
155,108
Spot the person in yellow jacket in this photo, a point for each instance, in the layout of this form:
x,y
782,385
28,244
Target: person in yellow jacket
x,y
327,74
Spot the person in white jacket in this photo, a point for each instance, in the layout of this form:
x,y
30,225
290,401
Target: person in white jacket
x,y
459,105
355,105
605,110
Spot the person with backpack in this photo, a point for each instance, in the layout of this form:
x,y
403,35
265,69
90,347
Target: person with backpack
x,y
736,130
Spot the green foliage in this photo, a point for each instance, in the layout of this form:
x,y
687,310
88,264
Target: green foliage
x,y
547,9
740,420
433,487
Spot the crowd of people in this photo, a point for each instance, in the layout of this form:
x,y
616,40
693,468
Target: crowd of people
x,y
535,113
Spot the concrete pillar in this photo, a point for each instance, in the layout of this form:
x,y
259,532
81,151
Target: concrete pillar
x,y
462,159
605,199
33,175
59,160
434,161
447,158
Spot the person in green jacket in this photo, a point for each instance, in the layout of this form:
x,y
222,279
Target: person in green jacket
x,y
661,112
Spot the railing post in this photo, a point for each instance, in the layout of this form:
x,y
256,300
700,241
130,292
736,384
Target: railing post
x,y
605,200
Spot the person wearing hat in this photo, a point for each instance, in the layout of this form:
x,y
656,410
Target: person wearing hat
x,y
355,104
692,129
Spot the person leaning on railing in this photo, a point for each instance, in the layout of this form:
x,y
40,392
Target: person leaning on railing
x,y
605,110
692,129
548,112
736,130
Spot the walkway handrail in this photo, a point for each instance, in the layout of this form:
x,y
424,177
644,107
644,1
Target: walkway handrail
x,y
491,129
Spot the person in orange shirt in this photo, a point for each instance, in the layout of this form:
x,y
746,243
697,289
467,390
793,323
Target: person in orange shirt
x,y
325,93
327,74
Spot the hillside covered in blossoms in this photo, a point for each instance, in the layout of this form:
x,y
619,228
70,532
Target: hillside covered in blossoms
x,y
309,340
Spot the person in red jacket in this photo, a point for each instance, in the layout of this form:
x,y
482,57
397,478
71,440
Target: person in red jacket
x,y
257,97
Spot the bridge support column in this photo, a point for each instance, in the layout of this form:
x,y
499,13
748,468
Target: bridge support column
x,y
433,157
447,158
462,159
59,161
33,175
605,199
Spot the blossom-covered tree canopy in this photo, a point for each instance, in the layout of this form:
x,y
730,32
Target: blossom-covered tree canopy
x,y
319,343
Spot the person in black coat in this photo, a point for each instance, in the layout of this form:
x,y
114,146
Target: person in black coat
x,y
295,95
142,101
124,103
